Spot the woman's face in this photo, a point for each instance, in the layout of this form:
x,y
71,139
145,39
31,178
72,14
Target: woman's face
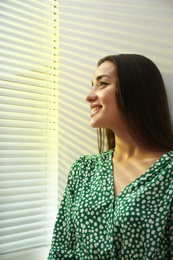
x,y
102,98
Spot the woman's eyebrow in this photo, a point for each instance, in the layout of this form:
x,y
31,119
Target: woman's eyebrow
x,y
99,77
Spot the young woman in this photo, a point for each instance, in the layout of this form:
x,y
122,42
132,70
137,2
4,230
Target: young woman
x,y
118,204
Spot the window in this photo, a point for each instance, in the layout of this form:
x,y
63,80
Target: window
x,y
28,123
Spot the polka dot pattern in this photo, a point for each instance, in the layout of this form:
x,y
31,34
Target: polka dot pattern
x,y
92,224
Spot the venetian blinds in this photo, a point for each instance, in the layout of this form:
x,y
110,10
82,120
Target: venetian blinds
x,y
28,123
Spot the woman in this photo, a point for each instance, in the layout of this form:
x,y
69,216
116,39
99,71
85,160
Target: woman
x,y
118,204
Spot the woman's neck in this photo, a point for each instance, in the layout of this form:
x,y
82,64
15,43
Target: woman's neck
x,y
127,149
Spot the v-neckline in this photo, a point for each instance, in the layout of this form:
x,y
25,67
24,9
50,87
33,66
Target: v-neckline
x,y
135,180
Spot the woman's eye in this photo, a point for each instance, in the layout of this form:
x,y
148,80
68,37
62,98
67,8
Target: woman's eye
x,y
102,83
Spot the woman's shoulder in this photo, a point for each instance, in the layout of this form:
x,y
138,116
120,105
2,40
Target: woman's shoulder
x,y
166,157
88,164
86,160
168,160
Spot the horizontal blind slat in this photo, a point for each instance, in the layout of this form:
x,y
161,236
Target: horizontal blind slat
x,y
27,215
33,12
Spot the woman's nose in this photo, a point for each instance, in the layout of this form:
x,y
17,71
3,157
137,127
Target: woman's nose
x,y
91,96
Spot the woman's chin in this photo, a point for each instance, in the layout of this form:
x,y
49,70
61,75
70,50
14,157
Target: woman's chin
x,y
94,124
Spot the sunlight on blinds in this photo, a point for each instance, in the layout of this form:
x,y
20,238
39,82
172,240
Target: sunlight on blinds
x,y
28,123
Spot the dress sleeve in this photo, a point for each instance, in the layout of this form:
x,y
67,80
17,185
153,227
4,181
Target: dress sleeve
x,y
171,233
63,241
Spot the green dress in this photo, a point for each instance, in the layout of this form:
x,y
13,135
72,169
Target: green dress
x,y
92,224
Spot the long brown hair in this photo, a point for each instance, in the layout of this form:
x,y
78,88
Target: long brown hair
x,y
142,102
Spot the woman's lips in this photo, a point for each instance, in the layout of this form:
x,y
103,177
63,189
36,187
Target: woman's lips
x,y
95,109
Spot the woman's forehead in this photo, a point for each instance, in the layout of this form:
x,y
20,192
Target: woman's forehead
x,y
105,69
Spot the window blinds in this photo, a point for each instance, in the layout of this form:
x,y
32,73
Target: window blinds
x,y
28,123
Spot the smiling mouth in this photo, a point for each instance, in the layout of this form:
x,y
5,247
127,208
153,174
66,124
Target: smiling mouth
x,y
94,110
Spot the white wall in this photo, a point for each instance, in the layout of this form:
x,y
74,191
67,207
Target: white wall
x,y
90,30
